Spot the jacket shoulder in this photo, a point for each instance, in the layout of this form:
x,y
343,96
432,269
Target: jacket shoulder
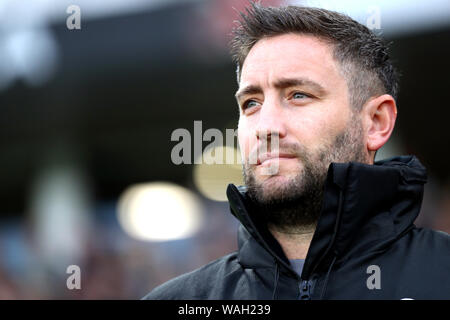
x,y
431,239
198,284
430,247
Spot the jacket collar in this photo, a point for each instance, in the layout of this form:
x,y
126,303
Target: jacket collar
x,y
365,208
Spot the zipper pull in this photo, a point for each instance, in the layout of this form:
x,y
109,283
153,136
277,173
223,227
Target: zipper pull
x,y
305,287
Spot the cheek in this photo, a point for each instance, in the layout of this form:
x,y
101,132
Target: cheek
x,y
315,127
306,124
244,139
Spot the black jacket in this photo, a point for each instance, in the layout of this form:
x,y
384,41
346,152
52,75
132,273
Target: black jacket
x,y
365,245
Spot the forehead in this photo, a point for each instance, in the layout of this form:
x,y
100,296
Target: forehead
x,y
290,55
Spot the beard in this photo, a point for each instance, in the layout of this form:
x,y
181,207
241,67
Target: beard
x,y
295,205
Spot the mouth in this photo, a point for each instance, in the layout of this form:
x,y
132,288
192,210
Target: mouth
x,y
274,157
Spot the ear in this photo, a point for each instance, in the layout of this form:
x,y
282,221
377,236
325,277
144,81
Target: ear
x,y
380,115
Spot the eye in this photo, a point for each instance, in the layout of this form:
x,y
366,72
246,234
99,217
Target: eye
x,y
299,95
249,103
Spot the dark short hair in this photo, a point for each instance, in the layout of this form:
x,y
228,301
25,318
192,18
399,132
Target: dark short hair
x,y
361,55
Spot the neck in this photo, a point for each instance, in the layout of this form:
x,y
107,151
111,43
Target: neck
x,y
295,241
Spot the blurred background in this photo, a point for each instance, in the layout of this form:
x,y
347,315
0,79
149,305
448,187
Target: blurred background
x,y
86,123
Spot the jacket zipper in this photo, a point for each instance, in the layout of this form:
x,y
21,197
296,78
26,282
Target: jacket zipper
x,y
305,289
306,285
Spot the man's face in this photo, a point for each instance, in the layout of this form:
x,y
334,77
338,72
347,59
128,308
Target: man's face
x,y
291,88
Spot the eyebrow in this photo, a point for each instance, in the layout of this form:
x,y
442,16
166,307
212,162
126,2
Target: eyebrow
x,y
282,84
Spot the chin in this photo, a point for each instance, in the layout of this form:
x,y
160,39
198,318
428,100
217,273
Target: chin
x,y
273,186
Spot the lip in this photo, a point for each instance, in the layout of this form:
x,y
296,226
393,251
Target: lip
x,y
268,156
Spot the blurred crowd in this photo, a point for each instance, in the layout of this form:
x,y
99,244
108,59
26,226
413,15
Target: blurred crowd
x,y
113,265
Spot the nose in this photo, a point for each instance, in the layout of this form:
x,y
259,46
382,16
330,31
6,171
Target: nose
x,y
271,121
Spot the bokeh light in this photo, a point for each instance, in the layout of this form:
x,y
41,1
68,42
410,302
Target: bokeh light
x,y
212,178
159,211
